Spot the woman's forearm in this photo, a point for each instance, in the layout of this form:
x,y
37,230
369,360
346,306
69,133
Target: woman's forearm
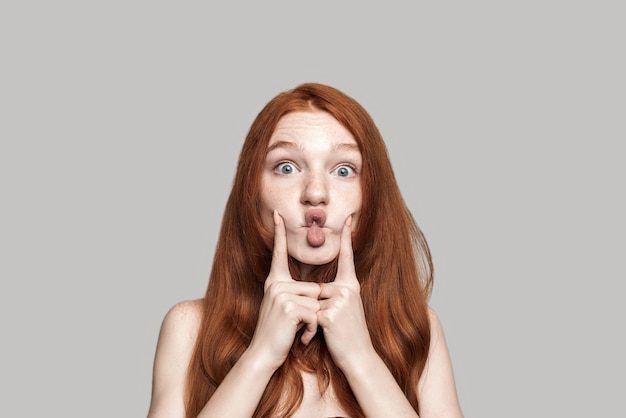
x,y
376,390
241,390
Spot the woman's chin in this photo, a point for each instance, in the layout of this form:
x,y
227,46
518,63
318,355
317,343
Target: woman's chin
x,y
315,257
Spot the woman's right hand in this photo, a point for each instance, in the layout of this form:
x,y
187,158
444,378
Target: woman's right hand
x,y
287,306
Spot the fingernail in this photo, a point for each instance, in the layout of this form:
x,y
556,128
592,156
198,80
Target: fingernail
x,y
276,217
349,221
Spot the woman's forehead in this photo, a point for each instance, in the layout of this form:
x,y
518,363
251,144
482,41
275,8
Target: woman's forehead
x,y
303,126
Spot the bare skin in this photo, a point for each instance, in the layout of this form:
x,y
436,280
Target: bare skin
x,y
311,198
286,307
312,172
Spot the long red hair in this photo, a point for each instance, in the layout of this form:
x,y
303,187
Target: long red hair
x,y
392,262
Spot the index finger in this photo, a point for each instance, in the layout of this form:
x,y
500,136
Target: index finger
x,y
280,265
346,273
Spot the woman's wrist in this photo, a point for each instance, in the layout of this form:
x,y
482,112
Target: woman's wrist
x,y
359,363
260,362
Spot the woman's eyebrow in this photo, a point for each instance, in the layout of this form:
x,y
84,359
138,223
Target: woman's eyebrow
x,y
346,147
282,144
293,146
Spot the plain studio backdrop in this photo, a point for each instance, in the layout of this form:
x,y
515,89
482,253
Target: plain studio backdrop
x,y
120,127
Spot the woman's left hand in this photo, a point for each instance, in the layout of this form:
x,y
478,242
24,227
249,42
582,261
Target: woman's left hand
x,y
341,313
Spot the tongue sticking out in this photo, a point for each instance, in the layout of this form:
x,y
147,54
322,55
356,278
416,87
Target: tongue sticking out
x,y
315,235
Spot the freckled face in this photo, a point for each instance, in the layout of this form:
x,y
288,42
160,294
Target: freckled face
x,y
312,177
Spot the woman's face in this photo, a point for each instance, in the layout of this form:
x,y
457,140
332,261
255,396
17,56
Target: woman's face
x,y
312,177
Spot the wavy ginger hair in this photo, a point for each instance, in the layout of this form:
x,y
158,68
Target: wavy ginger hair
x,y
392,262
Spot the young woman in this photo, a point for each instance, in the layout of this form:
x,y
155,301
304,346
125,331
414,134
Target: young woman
x,y
317,303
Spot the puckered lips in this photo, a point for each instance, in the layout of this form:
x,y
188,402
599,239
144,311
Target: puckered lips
x,y
315,219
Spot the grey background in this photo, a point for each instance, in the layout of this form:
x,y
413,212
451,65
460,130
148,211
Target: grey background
x,y
120,127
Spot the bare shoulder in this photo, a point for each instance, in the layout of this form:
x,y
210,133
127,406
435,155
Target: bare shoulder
x,y
177,339
436,329
179,331
437,389
184,316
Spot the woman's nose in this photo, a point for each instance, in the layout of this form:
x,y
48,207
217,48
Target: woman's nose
x,y
315,190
